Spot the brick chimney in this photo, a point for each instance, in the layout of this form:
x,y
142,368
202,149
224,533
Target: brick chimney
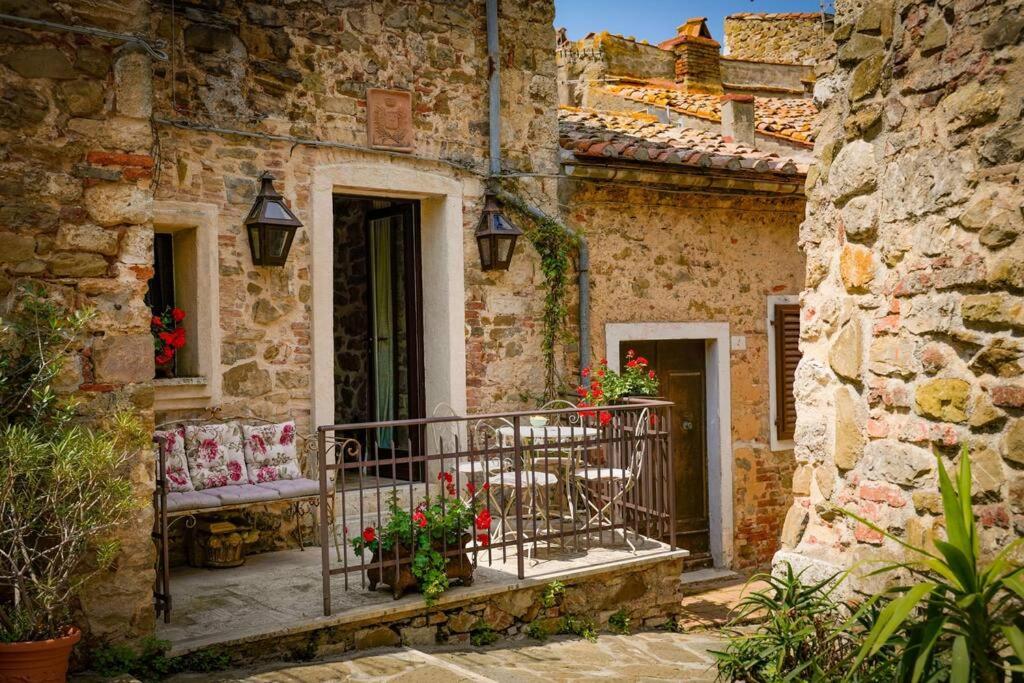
x,y
738,118
697,57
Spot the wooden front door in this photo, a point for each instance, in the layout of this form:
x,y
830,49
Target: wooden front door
x,y
680,366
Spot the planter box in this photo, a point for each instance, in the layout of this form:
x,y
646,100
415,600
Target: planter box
x,y
401,578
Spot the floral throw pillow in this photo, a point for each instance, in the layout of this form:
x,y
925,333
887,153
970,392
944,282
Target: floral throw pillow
x,y
214,454
270,452
175,464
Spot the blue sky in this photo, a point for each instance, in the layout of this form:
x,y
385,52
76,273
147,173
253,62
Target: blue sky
x,y
656,20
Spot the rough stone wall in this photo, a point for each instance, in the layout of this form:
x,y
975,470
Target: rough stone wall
x,y
912,318
661,257
76,162
351,316
785,38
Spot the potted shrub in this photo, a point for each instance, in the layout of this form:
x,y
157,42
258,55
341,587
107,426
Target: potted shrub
x,y
609,387
419,539
63,491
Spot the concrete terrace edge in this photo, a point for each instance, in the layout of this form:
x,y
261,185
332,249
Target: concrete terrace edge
x,y
457,597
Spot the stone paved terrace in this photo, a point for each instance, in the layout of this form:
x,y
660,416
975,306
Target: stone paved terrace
x,y
278,594
642,656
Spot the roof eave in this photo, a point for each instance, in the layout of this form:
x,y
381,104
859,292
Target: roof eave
x,y
695,178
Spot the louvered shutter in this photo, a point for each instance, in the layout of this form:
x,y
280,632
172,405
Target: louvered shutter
x,y
787,355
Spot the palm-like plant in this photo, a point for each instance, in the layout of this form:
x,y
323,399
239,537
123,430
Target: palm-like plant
x,y
960,619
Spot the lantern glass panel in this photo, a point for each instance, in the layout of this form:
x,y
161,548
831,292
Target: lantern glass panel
x,y
274,211
277,240
254,240
505,244
486,249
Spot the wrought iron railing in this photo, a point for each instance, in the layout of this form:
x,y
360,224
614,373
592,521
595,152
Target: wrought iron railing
x,y
586,478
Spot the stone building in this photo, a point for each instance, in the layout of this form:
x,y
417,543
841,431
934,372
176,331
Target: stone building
x,y
135,157
911,315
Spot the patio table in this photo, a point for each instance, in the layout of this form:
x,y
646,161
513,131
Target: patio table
x,y
560,444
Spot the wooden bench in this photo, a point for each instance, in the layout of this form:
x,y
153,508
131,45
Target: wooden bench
x,y
303,494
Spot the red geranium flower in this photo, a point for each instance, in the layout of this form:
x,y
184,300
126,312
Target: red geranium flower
x,y
651,374
605,417
483,539
630,353
177,315
470,488
420,519
487,485
483,520
585,372
369,534
155,321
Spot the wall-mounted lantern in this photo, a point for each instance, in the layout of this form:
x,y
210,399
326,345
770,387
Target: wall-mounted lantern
x,y
271,225
495,236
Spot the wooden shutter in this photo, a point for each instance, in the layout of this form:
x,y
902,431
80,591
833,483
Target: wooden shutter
x,y
787,355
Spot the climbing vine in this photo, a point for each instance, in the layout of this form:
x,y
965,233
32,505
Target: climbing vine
x,y
555,244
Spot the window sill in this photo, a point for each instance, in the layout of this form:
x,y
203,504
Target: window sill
x,y
177,393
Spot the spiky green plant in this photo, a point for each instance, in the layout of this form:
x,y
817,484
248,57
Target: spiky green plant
x,y
960,617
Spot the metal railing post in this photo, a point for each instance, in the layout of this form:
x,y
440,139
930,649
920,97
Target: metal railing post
x,y
671,481
325,554
517,464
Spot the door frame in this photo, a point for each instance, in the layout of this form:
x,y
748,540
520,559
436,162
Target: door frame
x,y
718,416
442,253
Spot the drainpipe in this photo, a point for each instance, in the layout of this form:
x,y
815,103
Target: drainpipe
x,y
494,128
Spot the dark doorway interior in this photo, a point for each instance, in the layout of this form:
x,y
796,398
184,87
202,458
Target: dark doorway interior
x,y
378,340
680,365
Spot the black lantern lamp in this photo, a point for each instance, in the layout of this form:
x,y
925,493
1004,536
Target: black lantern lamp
x,y
495,236
271,225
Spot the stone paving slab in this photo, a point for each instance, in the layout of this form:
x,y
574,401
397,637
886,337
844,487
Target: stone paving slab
x,y
638,657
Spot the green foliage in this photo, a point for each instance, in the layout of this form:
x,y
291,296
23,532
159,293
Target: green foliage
x,y
64,488
619,622
958,616
435,523
149,662
552,594
35,338
537,630
555,245
577,625
482,635
802,635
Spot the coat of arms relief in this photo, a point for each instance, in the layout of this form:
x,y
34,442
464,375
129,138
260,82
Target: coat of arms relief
x,y
389,119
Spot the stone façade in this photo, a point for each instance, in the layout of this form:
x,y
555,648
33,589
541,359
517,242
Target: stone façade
x,y
911,315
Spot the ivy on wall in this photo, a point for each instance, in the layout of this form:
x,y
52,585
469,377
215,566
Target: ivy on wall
x,y
555,244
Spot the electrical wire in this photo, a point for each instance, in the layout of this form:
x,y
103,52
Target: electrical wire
x,y
153,49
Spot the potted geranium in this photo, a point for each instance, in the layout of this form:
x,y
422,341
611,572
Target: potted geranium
x,y
168,339
609,387
419,540
64,490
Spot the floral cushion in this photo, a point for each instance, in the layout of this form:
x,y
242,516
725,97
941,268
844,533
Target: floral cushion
x,y
175,464
270,452
214,454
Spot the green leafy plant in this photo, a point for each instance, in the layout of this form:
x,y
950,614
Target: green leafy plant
x,y
618,622
577,625
959,616
552,594
149,661
64,488
555,245
483,635
803,634
537,630
434,523
607,386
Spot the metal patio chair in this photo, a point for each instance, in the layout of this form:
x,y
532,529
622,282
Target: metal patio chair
x,y
621,480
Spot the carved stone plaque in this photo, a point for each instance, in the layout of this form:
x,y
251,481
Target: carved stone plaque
x,y
389,119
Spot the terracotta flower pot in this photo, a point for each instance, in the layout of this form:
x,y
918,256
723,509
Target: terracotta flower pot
x,y
37,661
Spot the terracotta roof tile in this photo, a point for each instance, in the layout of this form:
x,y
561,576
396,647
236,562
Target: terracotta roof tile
x,y
600,134
786,117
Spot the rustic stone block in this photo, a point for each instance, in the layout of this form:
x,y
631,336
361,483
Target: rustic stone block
x,y
247,379
419,636
794,526
802,480
987,472
124,359
82,98
1013,442
847,352
999,309
88,237
15,247
854,171
78,264
113,204
849,436
890,355
898,463
40,63
984,414
856,266
133,84
943,399
378,636
866,77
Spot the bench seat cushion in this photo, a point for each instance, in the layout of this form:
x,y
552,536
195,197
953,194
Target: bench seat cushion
x,y
214,454
294,488
190,500
243,493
